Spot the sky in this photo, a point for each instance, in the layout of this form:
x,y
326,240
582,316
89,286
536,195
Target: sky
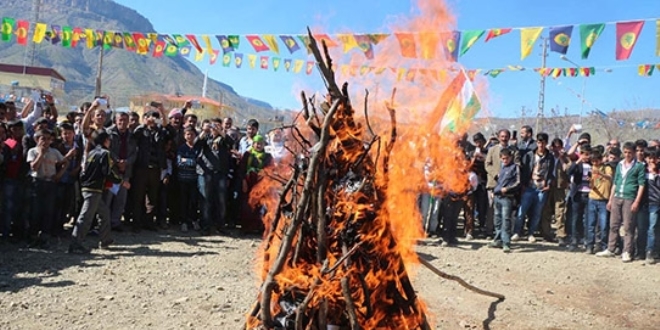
x,y
505,95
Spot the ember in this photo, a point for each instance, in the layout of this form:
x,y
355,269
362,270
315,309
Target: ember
x,y
330,255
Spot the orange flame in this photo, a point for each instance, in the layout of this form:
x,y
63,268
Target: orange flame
x,y
388,238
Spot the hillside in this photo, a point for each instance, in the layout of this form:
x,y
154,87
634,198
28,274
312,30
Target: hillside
x,y
124,73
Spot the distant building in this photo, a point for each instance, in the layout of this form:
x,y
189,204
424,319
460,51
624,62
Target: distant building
x,y
17,81
203,107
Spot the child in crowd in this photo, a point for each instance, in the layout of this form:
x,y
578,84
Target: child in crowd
x,y
97,171
581,174
508,185
47,166
601,185
186,162
653,187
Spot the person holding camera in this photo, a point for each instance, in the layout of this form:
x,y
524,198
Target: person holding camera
x,y
213,163
151,159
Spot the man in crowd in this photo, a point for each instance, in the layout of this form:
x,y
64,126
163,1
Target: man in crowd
x,y
493,165
123,150
251,129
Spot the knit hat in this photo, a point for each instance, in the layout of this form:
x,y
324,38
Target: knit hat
x,y
175,113
258,138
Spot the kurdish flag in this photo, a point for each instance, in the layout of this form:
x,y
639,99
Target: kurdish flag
x,y
460,104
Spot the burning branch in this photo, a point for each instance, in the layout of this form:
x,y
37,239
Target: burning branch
x,y
459,280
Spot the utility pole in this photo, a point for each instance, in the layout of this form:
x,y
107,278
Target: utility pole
x,y
97,91
36,8
523,114
544,55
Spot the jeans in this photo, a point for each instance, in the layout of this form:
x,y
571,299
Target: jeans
x,y
213,189
449,218
532,202
654,229
502,218
43,194
14,200
645,232
92,204
597,215
116,204
578,215
188,192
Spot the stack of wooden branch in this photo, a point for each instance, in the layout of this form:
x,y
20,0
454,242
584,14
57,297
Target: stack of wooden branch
x,y
330,257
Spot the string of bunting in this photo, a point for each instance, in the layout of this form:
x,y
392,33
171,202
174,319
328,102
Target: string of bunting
x,y
454,44
159,45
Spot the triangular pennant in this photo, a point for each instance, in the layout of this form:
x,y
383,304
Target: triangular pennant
x,y
469,38
493,33
238,60
290,43
272,43
528,37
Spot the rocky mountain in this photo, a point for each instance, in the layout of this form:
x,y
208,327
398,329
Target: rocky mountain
x,y
125,74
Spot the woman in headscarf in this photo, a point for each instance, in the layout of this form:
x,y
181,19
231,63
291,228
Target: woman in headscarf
x,y
252,163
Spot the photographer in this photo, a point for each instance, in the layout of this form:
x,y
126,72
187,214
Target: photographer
x,y
213,163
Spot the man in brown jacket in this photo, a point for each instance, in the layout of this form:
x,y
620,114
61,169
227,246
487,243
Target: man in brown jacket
x,y
556,204
493,166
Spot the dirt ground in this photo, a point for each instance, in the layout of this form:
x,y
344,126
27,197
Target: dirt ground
x,y
167,280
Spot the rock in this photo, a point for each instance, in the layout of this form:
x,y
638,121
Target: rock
x,y
549,291
464,324
107,298
181,300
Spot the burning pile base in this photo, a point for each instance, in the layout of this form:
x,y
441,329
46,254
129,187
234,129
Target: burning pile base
x,y
330,258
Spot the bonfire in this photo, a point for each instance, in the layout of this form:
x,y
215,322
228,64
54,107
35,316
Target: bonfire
x,y
330,256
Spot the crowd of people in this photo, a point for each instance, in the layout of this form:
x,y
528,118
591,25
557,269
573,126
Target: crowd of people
x,y
100,171
602,199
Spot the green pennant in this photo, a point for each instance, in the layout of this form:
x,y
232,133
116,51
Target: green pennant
x,y
7,28
171,50
108,39
589,33
495,72
469,38
67,36
234,41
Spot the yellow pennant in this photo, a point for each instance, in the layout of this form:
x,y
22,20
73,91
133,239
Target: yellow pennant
x,y
207,41
39,32
349,42
297,65
199,56
528,37
272,43
252,59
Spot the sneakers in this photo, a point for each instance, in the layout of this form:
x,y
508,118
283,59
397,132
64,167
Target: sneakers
x,y
495,244
650,260
506,249
77,248
515,238
531,239
625,257
605,254
184,227
561,241
469,237
589,250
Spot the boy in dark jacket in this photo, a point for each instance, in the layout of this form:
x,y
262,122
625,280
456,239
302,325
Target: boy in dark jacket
x,y
186,164
508,185
97,171
581,172
648,231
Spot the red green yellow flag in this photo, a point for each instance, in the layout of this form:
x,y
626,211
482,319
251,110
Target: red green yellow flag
x,y
67,36
528,37
77,35
407,44
257,43
428,44
108,37
193,41
7,28
310,67
493,33
159,48
22,28
142,43
348,41
321,38
129,42
213,56
627,34
39,32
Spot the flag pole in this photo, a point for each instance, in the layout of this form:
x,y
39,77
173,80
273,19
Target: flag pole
x,y
539,114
